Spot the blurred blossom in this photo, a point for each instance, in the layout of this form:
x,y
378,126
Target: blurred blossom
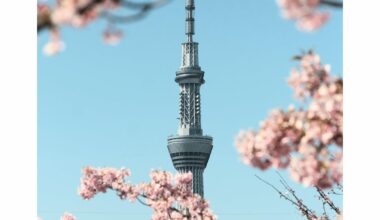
x,y
313,21
301,140
69,12
304,12
112,36
339,217
55,45
68,216
42,8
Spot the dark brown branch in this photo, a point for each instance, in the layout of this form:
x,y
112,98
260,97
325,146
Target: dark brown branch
x,y
90,6
338,187
299,201
142,202
44,24
124,19
142,5
143,8
327,200
308,213
331,3
44,20
172,209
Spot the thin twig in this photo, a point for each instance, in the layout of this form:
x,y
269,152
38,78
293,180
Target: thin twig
x,y
327,199
308,213
335,4
340,187
324,211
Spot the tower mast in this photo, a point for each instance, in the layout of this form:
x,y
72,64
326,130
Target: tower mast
x,y
189,149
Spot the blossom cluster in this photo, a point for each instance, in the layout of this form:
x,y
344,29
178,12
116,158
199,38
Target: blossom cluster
x,y
68,216
304,12
164,193
309,142
78,14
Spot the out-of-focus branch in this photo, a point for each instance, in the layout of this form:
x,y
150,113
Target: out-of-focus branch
x,y
44,23
43,18
141,10
335,4
144,9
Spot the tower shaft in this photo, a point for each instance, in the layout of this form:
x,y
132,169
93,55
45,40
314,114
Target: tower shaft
x,y
189,149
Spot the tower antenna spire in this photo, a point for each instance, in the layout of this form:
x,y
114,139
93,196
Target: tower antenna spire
x,y
190,20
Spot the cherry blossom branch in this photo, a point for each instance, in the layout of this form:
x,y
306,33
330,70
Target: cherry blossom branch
x,y
335,4
292,197
80,13
162,193
327,200
326,217
307,14
310,214
143,8
289,189
307,141
338,187
306,211
172,209
142,202
169,211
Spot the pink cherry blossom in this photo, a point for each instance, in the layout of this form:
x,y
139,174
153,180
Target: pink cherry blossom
x,y
304,12
43,8
68,216
311,170
307,141
294,9
55,45
163,193
313,21
71,13
67,12
112,36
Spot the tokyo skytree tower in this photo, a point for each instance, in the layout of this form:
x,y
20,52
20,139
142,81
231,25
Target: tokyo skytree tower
x,y
189,149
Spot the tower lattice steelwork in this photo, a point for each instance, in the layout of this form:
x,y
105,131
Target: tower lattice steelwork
x,y
189,149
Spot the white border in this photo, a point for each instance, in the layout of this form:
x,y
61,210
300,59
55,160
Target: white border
x,y
18,160
361,109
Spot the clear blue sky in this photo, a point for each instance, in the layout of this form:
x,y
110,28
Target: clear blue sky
x,y
115,106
